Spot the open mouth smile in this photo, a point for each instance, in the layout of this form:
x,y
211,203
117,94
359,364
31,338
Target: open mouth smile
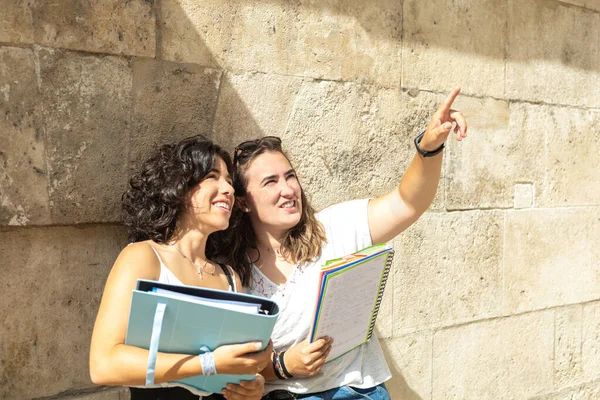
x,y
223,205
288,204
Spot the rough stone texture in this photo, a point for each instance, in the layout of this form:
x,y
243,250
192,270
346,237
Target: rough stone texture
x,y
449,44
409,359
252,105
197,32
524,194
567,346
448,270
551,258
339,129
171,102
509,358
590,348
483,169
591,4
23,173
586,391
337,40
572,172
15,22
548,41
114,27
51,290
348,84
102,394
537,147
86,107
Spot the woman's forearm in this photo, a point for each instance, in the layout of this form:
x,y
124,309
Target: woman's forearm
x,y
419,184
126,365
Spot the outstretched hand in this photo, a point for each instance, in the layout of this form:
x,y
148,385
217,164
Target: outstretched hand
x,y
441,124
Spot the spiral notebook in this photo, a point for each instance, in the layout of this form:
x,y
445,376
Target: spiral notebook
x,y
351,289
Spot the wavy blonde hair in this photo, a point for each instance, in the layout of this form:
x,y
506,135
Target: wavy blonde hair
x,y
300,244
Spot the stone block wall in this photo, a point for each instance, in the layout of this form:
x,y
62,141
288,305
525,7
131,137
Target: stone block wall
x,y
496,289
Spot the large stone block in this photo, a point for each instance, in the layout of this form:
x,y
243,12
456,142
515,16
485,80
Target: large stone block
x,y
550,42
351,141
551,258
86,107
23,174
409,359
509,358
572,175
585,391
252,105
448,270
115,27
15,22
590,348
567,346
337,40
483,169
449,44
51,289
523,144
171,102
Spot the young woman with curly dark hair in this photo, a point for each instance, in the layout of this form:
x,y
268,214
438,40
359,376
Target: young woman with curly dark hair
x,y
181,195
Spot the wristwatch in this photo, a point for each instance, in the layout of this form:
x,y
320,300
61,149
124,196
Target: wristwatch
x,y
425,153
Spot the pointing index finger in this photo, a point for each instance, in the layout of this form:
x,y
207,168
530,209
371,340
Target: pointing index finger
x,y
450,99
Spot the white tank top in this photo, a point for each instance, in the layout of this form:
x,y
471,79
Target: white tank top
x,y
167,276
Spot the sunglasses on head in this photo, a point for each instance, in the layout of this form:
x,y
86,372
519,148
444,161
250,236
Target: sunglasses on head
x,y
244,148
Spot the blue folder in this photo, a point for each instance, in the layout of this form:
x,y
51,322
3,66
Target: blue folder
x,y
181,326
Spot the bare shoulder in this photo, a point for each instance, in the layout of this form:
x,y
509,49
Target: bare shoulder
x,y
138,259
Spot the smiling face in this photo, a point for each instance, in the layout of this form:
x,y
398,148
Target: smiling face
x,y
211,201
273,193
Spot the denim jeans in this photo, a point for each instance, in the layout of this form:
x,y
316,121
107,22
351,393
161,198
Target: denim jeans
x,y
378,392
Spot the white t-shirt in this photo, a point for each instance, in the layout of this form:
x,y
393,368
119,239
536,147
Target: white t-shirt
x,y
347,229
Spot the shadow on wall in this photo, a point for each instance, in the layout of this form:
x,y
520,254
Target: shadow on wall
x,y
284,75
250,32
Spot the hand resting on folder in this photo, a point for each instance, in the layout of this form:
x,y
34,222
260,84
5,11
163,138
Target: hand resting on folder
x,y
181,195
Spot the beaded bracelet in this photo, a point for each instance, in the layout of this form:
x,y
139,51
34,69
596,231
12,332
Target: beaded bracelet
x,y
282,363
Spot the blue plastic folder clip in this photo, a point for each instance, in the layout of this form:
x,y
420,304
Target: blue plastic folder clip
x,y
169,325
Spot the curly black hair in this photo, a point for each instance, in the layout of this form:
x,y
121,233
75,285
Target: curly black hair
x,y
157,193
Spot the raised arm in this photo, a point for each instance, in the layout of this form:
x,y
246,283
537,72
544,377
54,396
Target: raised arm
x,y
395,211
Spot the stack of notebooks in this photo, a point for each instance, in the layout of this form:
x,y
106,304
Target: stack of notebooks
x,y
350,293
